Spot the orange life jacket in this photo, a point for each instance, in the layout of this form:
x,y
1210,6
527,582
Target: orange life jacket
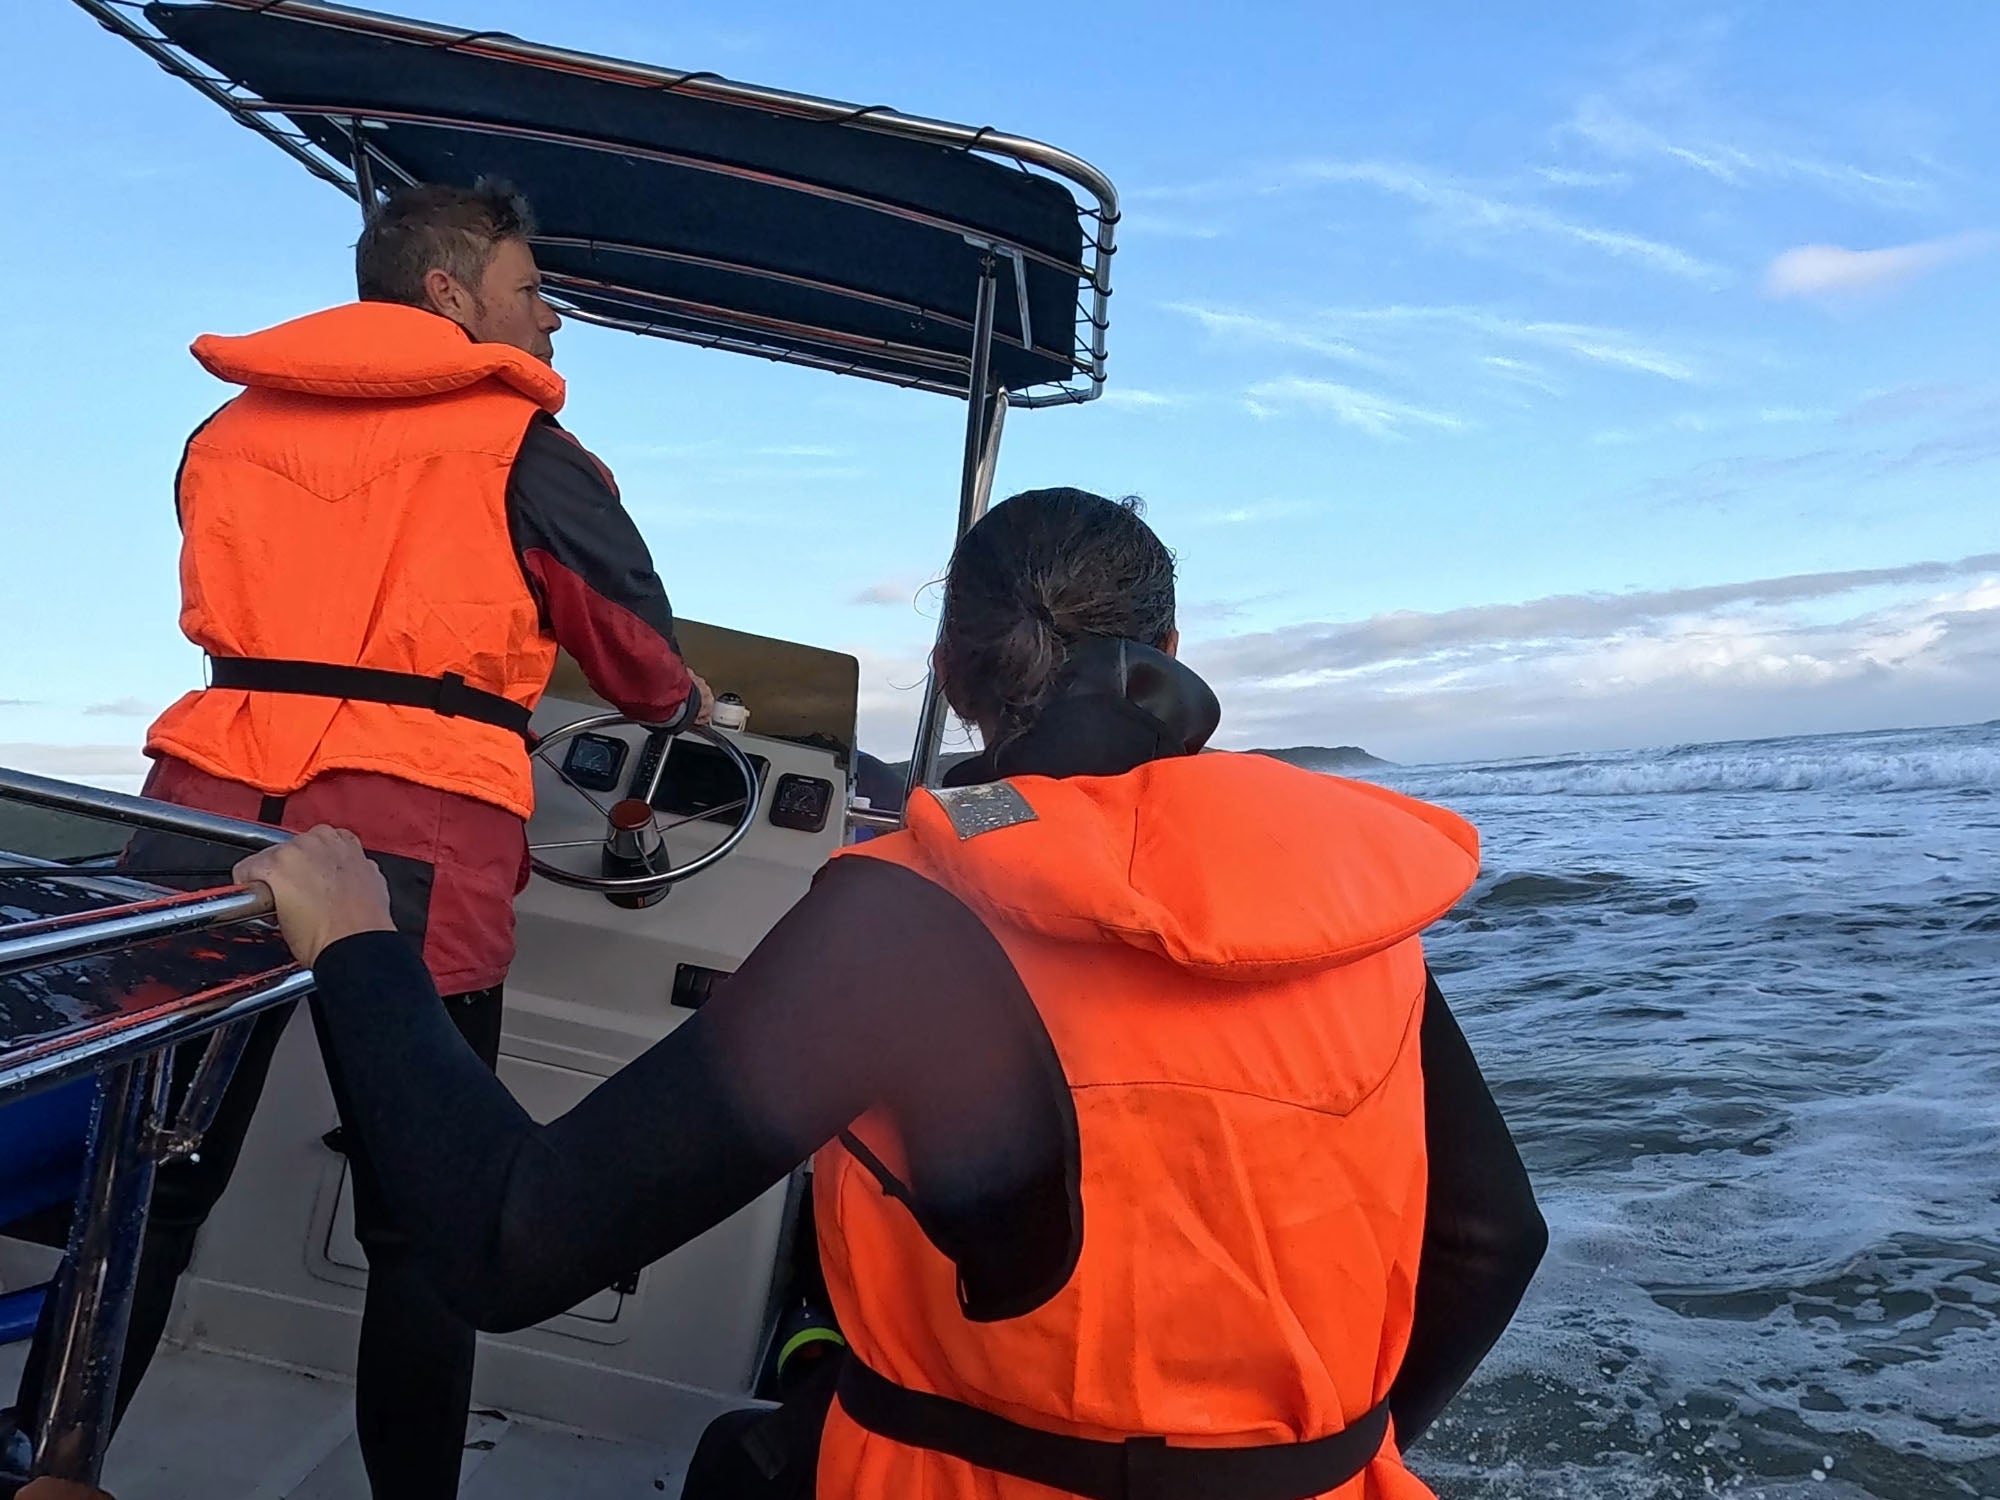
x,y
349,508
1224,951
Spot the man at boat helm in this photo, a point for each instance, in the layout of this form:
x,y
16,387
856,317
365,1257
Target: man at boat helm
x,y
387,536
1148,1159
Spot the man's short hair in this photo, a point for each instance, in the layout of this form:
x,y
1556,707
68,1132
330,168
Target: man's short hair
x,y
436,228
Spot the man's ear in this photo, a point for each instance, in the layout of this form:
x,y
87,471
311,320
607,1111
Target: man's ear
x,y
447,297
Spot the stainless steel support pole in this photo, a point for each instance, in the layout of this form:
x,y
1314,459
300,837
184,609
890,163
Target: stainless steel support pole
x,y
989,458
94,1294
364,169
204,1093
985,418
979,393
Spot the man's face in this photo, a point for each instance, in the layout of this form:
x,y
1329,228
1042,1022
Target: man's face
x,y
506,307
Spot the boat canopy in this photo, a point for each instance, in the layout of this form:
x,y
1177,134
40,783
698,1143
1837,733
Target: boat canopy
x,y
687,206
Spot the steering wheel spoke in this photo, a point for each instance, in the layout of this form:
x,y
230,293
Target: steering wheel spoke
x,y
682,822
657,879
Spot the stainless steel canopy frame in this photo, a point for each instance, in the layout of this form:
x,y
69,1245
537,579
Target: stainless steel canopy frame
x,y
267,117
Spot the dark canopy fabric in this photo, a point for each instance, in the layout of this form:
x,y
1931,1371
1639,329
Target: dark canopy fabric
x,y
736,253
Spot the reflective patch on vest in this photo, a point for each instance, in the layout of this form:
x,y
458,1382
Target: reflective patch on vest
x,y
974,810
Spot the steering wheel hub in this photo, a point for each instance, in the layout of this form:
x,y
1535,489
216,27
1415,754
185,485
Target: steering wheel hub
x,y
631,865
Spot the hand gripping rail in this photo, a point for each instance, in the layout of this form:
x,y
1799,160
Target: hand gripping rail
x,y
131,1132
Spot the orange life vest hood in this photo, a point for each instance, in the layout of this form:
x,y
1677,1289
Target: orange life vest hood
x,y
374,351
1229,866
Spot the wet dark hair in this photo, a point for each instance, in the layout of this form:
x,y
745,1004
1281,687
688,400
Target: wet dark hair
x,y
436,228
1039,573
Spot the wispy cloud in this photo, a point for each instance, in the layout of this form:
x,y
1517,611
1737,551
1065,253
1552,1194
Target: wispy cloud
x,y
1761,656
17,703
1521,372
735,452
1345,333
1609,129
1883,437
1825,271
1137,399
1702,423
681,515
1620,134
1376,415
1288,333
1971,438
1257,513
1909,402
1721,481
1587,342
1219,611
1470,210
780,473
1476,213
1603,346
673,37
1567,177
892,592
121,708
1321,648
1166,227
798,450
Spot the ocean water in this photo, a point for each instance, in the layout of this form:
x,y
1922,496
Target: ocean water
x,y
1741,1006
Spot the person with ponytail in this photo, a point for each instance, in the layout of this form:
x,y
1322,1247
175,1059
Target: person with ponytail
x,y
1148,1159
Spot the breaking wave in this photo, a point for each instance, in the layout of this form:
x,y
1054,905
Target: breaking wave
x,y
1793,768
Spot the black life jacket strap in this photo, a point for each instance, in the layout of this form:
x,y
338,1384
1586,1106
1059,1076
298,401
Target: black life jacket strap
x,y
448,696
1140,1468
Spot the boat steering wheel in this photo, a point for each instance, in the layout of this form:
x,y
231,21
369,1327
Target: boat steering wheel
x,y
636,814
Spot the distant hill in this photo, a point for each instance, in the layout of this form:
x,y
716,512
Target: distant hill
x,y
900,769
1329,758
1334,758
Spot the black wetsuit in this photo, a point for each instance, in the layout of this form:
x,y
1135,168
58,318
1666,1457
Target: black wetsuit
x,y
878,989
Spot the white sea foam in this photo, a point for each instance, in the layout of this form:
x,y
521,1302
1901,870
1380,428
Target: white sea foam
x,y
1796,767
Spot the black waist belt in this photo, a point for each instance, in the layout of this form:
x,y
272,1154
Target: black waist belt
x,y
1142,1468
448,696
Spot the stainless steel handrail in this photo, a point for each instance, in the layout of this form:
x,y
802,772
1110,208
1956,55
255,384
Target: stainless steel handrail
x,y
135,812
121,1036
47,940
874,820
127,1049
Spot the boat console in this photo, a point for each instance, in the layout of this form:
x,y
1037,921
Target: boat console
x,y
594,983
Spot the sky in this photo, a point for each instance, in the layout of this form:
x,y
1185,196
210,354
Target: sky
x,y
1509,380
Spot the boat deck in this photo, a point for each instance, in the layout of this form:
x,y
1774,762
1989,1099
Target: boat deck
x,y
209,1426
